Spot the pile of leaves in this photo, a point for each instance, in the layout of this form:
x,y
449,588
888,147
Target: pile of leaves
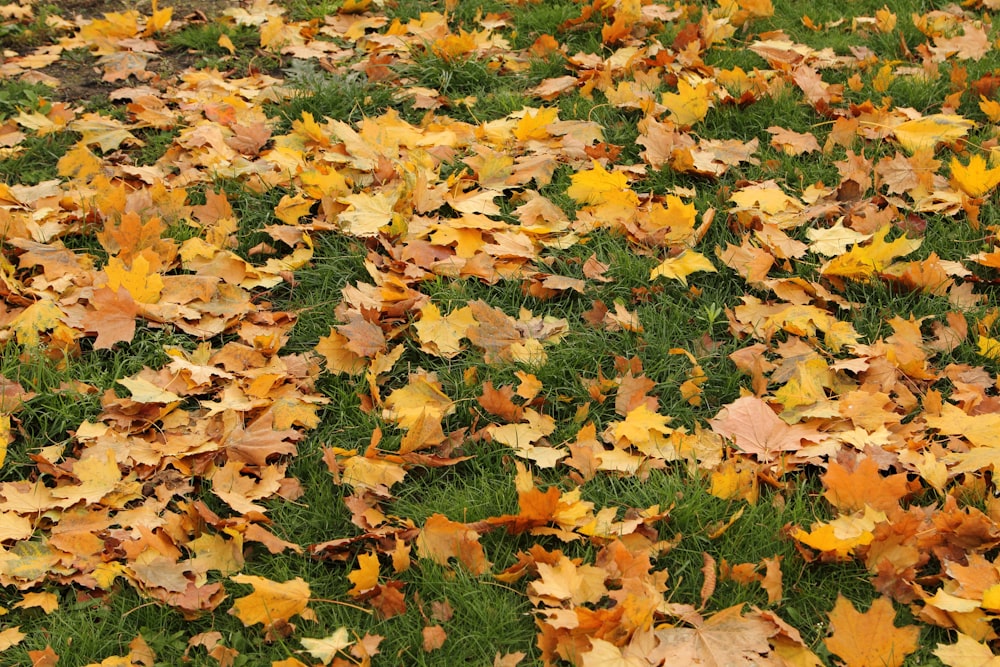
x,y
902,434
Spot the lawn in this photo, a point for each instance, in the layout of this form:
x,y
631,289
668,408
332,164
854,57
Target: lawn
x,y
363,332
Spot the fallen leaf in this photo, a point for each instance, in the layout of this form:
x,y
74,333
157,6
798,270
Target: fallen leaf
x,y
870,639
325,649
271,602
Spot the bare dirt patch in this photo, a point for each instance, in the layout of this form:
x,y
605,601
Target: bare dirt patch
x,y
182,8
80,80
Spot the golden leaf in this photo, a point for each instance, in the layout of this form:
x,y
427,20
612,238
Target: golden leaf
x,y
974,179
680,267
144,285
689,104
271,601
42,315
929,131
594,185
863,262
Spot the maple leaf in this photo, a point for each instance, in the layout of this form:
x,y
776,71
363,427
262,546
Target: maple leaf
x,y
565,581
727,638
974,179
325,649
791,142
43,315
98,475
982,430
420,399
870,639
853,490
106,132
752,425
966,652
834,240
47,602
844,534
139,280
442,539
339,358
929,131
863,262
434,637
596,184
689,104
365,577
534,123
367,213
116,321
10,637
80,163
680,267
271,602
441,336
290,209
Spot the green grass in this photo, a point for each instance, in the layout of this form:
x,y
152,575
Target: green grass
x,y
491,616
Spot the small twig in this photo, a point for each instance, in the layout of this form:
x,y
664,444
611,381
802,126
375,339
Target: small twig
x,y
342,604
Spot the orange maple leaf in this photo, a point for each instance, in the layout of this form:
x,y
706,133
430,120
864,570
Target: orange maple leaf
x,y
442,539
870,639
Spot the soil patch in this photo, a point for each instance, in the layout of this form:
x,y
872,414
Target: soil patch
x,y
90,9
82,81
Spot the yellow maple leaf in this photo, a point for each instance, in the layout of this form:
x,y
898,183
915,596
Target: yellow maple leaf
x,y
365,577
5,437
144,391
144,286
689,104
98,475
79,162
367,213
680,267
974,179
595,185
833,241
290,209
419,399
989,347
159,19
310,130
534,122
442,336
363,472
40,316
340,359
106,132
730,481
929,131
677,217
966,651
226,43
271,601
318,183
11,636
641,425
862,262
325,649
46,601
842,535
991,108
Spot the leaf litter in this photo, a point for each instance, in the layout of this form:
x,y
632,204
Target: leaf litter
x,y
118,504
